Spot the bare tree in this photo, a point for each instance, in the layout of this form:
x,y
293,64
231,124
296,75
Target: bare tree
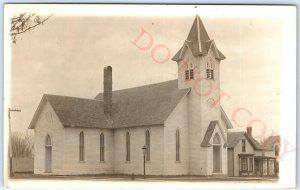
x,y
22,144
25,22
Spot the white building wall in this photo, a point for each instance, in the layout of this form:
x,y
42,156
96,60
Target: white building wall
x,y
91,163
48,124
137,141
178,120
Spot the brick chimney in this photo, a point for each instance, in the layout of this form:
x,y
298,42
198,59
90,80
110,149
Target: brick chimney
x,y
249,131
107,91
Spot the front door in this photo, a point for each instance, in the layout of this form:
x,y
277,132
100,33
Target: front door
x,y
230,162
216,159
48,160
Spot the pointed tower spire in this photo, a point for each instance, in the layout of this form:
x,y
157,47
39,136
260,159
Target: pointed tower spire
x,y
198,42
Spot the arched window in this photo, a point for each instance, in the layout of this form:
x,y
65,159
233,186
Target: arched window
x,y
48,156
81,146
148,145
217,140
178,145
127,146
48,141
101,147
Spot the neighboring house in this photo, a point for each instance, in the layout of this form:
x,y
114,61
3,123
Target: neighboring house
x,y
247,157
271,148
184,131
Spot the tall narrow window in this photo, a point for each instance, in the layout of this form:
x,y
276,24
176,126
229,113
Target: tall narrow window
x,y
244,161
81,146
243,145
177,145
209,70
148,145
101,147
189,71
276,150
251,164
127,146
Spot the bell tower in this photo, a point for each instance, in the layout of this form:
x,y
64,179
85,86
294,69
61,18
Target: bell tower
x,y
198,58
198,63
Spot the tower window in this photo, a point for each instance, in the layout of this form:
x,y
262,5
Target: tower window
x,y
189,71
209,70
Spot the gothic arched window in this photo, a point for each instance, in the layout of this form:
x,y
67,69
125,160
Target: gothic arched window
x,y
101,147
147,135
81,146
127,146
177,145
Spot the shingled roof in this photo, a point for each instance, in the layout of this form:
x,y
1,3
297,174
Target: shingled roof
x,y
198,42
138,106
234,137
75,112
145,105
270,142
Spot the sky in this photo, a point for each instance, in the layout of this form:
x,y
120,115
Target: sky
x,y
67,54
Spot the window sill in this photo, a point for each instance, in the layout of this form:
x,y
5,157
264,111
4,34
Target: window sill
x,y
148,161
127,162
81,161
101,162
178,162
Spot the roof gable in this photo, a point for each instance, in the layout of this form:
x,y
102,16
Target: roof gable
x,y
209,132
270,142
234,137
74,112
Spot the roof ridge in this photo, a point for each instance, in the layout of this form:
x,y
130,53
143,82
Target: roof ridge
x,y
143,86
72,97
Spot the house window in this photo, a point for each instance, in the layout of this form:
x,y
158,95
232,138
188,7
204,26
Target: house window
x,y
127,146
209,70
251,164
244,162
148,145
243,145
276,150
189,71
101,147
178,145
81,146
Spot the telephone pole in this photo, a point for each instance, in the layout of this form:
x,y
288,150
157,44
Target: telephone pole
x,y
11,174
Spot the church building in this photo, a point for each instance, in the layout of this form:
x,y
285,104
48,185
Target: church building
x,y
180,122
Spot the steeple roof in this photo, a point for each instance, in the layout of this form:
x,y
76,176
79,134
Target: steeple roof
x,y
198,42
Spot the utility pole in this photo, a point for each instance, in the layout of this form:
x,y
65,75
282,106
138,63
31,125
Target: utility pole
x,y
11,174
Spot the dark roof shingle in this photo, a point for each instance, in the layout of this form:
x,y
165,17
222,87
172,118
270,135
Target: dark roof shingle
x,y
145,105
233,138
271,141
78,112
